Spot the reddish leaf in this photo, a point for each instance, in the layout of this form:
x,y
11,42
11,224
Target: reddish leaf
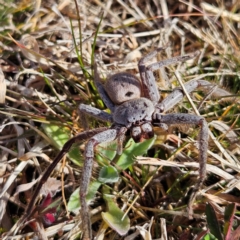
x,y
228,217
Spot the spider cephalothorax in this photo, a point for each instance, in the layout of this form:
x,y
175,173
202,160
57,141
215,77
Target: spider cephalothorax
x,y
135,108
130,108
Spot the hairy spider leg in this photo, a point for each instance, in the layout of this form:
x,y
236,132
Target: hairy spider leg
x,y
79,138
120,139
181,118
149,85
177,95
106,136
95,112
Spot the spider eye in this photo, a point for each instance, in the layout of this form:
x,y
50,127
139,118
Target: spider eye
x,y
129,94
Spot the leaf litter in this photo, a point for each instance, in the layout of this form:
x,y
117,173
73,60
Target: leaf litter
x,y
42,82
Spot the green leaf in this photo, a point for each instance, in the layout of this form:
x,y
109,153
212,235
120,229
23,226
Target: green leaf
x,y
213,222
106,152
133,150
108,174
113,217
209,236
59,135
74,202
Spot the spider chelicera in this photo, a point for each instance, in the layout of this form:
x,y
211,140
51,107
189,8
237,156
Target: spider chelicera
x,y
135,108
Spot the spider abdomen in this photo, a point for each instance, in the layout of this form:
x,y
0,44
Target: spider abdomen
x,y
122,87
134,111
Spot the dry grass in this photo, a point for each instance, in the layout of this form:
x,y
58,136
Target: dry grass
x,y
47,76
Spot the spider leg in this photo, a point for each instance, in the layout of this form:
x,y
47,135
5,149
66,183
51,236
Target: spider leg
x,y
177,95
146,72
181,118
166,62
105,136
94,112
80,137
149,86
120,139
